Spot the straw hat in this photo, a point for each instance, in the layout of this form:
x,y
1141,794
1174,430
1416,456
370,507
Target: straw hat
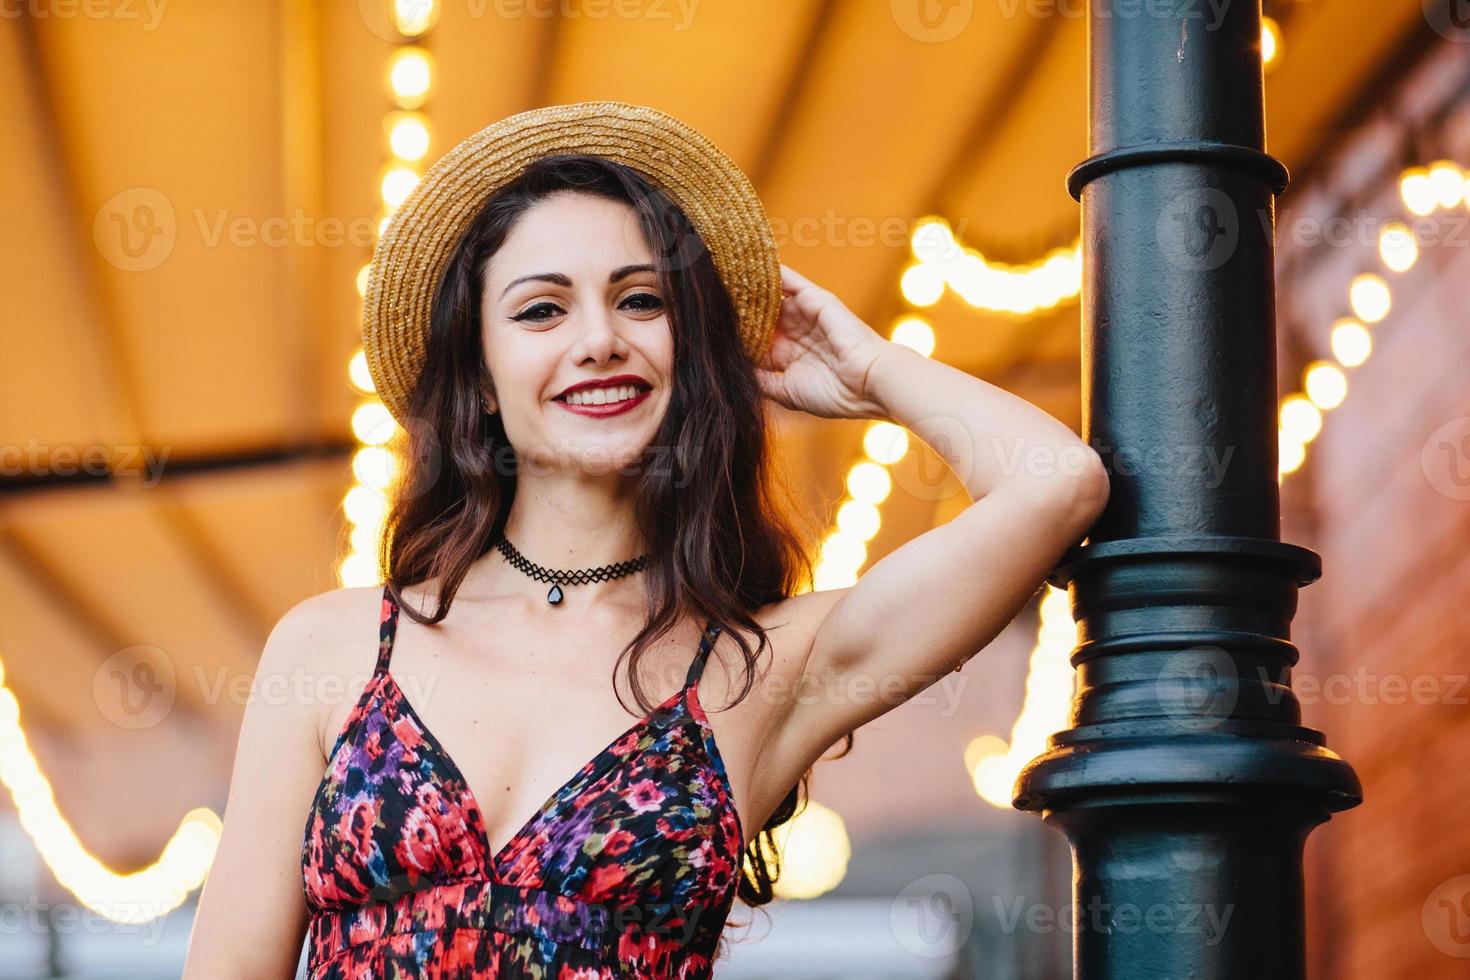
x,y
718,199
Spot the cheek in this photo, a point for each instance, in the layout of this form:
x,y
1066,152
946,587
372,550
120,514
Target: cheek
x,y
659,350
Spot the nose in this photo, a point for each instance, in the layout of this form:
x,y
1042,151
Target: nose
x,y
598,336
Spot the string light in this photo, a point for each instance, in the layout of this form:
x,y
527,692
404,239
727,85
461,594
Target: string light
x,y
410,76
137,897
1416,191
1369,297
943,262
1325,384
156,890
993,763
407,138
1448,183
1271,44
1397,249
1351,342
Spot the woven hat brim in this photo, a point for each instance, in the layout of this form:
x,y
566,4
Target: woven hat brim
x,y
711,190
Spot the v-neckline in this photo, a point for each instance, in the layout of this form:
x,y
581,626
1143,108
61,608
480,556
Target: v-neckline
x,y
494,857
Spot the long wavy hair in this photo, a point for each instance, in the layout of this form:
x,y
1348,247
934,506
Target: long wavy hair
x,y
709,498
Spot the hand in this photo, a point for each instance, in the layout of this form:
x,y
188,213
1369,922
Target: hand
x,y
821,354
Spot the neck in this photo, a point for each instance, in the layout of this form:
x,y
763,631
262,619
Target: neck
x,y
579,524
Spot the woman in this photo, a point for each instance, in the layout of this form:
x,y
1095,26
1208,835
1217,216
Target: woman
x,y
578,317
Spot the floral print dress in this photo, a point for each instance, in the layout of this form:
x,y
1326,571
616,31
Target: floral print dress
x,y
628,870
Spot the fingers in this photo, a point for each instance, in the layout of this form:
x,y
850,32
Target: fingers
x,y
793,281
802,295
770,384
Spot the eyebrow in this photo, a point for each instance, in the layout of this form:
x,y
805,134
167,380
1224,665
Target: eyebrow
x,y
560,279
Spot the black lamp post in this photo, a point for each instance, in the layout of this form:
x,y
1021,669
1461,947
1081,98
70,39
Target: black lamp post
x,y
1186,783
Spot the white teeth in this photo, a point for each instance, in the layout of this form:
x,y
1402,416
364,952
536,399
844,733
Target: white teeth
x,y
601,396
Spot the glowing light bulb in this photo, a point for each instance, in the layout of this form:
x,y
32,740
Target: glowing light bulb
x,y
1351,343
914,332
1396,247
1369,297
1325,384
1416,190
1270,43
922,284
408,135
1300,419
410,76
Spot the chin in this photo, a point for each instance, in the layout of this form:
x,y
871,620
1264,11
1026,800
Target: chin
x,y
599,458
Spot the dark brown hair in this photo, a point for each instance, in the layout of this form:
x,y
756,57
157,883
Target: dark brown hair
x,y
721,541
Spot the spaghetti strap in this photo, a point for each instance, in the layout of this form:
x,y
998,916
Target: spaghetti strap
x,y
387,628
706,643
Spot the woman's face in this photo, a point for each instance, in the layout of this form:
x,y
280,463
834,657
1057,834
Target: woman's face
x,y
573,296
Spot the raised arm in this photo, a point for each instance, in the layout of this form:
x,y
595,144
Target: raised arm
x,y
929,605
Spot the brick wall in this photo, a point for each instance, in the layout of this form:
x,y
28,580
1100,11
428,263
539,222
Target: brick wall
x,y
1384,497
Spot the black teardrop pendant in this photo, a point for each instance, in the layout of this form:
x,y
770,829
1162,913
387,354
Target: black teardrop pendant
x,y
554,596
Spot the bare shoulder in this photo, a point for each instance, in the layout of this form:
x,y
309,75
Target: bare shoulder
x,y
326,642
323,618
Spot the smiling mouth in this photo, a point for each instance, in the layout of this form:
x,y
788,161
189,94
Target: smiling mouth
x,y
608,395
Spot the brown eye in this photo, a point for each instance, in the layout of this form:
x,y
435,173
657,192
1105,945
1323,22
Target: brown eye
x,y
534,317
647,301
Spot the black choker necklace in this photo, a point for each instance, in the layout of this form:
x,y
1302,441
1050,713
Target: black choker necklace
x,y
558,578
